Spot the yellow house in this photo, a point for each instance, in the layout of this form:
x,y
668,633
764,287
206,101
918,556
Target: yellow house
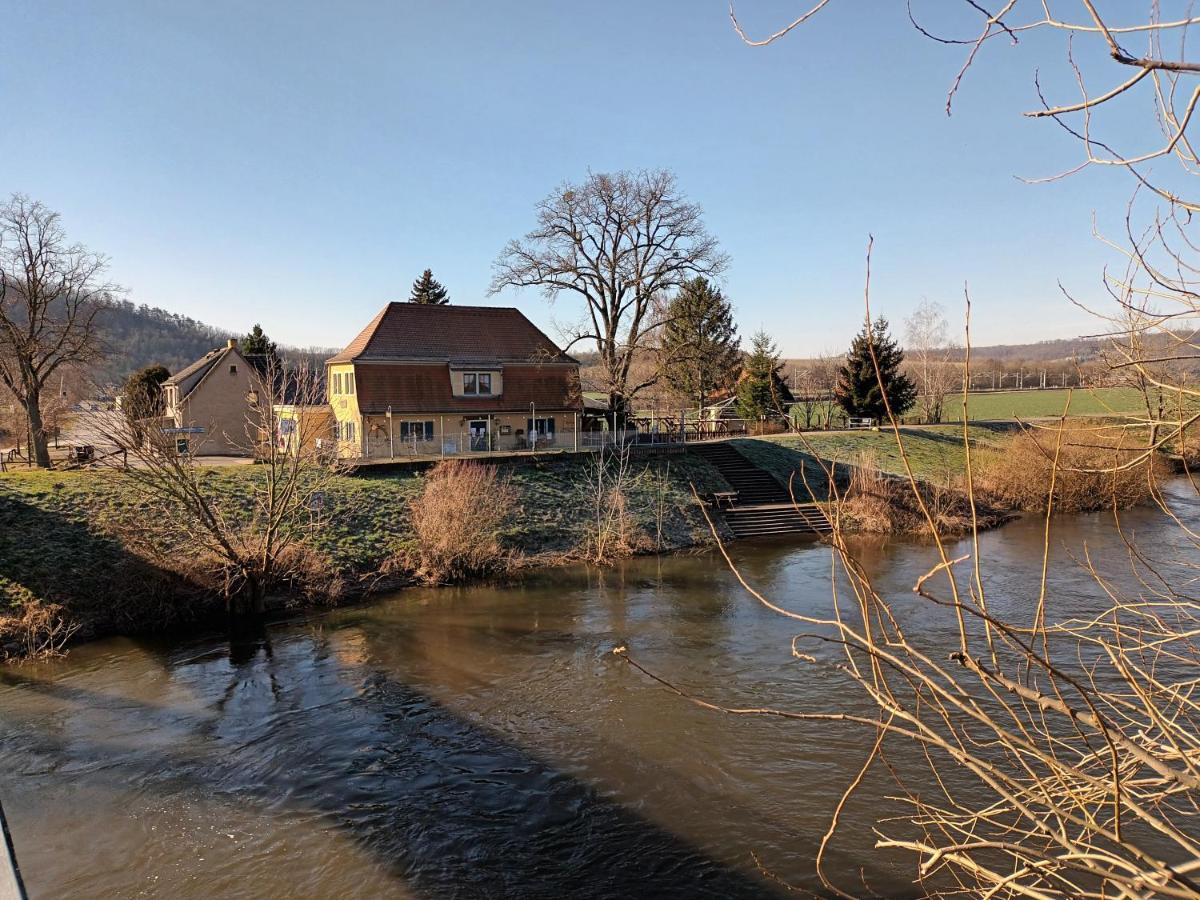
x,y
427,380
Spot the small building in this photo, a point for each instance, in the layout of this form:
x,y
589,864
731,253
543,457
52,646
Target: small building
x,y
429,380
215,404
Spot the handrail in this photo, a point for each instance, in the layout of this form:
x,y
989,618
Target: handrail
x,y
11,885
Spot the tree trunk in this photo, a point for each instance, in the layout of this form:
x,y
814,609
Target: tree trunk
x,y
39,452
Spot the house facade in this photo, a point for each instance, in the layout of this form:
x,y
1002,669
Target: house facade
x,y
431,380
213,404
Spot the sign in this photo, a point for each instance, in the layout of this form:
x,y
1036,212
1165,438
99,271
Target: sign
x,y
316,502
192,430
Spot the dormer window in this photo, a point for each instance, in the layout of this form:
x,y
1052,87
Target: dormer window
x,y
477,384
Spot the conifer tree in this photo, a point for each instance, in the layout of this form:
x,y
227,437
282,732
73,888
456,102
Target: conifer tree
x,y
858,386
429,290
700,350
256,343
761,391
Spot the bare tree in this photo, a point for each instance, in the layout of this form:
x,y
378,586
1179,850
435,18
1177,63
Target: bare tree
x,y
51,295
927,351
814,391
616,242
250,546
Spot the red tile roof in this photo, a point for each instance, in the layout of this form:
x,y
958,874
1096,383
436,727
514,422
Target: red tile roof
x,y
418,331
426,389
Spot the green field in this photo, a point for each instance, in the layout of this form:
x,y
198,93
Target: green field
x,y
995,405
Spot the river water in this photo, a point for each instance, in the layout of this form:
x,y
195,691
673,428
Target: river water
x,y
485,742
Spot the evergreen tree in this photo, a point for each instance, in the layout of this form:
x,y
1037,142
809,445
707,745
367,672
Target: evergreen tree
x,y
256,343
858,386
761,391
700,349
429,290
142,394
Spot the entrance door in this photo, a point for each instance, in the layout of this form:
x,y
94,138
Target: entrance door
x,y
479,434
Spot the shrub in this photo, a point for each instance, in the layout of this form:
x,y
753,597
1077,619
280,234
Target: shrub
x,y
457,521
1017,475
35,631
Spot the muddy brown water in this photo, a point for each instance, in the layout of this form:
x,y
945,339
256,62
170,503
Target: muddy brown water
x,y
485,742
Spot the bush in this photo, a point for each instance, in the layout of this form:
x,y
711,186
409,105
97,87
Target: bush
x,y
1017,475
36,631
457,522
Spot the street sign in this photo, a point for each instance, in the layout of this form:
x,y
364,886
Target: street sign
x,y
192,430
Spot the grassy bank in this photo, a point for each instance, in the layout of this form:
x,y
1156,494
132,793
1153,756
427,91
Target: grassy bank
x,y
79,539
997,405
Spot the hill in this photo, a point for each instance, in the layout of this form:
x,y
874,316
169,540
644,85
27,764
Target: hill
x,y
136,336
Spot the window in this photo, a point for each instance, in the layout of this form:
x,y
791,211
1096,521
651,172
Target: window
x,y
233,370
349,382
416,431
337,382
477,383
346,431
545,427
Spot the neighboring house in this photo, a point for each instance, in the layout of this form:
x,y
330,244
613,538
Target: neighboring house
x,y
425,379
221,396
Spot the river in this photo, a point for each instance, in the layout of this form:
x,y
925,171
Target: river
x,y
484,741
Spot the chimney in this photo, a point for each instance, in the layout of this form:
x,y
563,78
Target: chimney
x,y
231,344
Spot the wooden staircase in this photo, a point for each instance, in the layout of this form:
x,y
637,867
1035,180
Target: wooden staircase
x,y
763,507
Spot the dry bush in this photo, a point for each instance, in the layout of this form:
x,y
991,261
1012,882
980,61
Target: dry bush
x,y
1094,471
613,530
876,503
38,631
309,574
457,521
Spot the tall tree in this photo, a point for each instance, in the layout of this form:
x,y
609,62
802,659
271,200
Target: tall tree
x,y
928,347
51,297
429,290
616,242
700,350
256,343
761,390
871,373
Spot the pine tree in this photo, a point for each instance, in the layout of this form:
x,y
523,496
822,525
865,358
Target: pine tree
x,y
858,386
700,351
429,290
761,391
261,349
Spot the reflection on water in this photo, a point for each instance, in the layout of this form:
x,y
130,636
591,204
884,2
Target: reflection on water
x,y
480,742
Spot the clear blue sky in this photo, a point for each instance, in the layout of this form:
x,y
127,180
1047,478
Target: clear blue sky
x,y
299,163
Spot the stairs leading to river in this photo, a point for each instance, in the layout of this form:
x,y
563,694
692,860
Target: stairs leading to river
x,y
763,507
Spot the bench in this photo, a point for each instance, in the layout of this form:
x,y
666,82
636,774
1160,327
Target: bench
x,y
860,423
724,499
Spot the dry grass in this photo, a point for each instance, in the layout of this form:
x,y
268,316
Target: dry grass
x,y
37,631
874,502
457,521
1095,471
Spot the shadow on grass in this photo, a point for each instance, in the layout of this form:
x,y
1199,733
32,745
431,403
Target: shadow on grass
x,y
102,585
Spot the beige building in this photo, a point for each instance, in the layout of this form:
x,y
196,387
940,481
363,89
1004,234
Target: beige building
x,y
213,405
427,380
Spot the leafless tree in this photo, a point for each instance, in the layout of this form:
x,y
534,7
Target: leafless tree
x,y
252,544
927,352
617,242
813,389
51,297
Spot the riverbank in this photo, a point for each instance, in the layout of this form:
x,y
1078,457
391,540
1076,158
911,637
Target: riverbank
x,y
78,558
81,540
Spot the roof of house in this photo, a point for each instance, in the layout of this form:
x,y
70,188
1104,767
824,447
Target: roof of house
x,y
190,377
199,367
416,331
415,388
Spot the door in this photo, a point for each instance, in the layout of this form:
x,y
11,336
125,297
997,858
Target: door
x,y
479,434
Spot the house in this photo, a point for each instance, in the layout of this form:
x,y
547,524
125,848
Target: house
x,y
215,403
426,379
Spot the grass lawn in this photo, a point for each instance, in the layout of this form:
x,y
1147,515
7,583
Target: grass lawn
x,y
934,453
1035,404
